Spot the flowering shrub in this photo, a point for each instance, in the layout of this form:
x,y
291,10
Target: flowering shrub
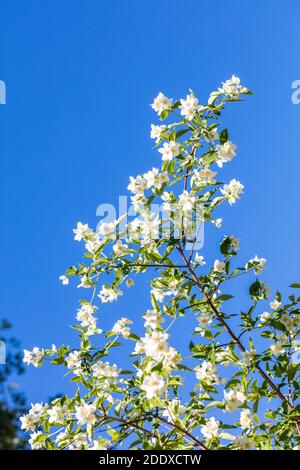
x,y
228,393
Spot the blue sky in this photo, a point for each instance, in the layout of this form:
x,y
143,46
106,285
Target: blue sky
x,y
80,77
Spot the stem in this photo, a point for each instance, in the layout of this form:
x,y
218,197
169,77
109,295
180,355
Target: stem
x,y
185,432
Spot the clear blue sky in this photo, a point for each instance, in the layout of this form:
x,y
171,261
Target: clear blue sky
x,y
80,76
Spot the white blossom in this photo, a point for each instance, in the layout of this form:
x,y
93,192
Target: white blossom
x,y
73,360
232,191
187,201
34,443
210,428
204,320
169,150
275,304
248,356
232,87
86,414
234,399
105,370
156,132
225,153
64,279
33,357
219,266
108,229
189,106
265,317
277,348
120,248
257,263
243,443
207,372
137,185
199,259
245,419
108,294
120,327
162,103
153,385
81,231
204,177
153,319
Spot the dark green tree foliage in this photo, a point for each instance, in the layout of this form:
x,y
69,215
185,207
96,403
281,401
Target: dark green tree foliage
x,y
12,400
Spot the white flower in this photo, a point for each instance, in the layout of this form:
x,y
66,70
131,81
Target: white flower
x,y
232,191
161,103
64,279
169,150
275,304
199,259
248,356
153,319
207,372
120,248
204,320
86,414
219,266
28,422
85,315
189,106
210,429
276,348
167,198
108,294
218,222
257,263
153,385
205,177
108,229
137,185
161,179
150,177
138,200
243,443
105,370
155,344
33,357
57,414
211,135
73,360
31,420
265,317
79,441
156,132
187,201
32,441
81,231
234,399
245,419
225,153
232,87
120,327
